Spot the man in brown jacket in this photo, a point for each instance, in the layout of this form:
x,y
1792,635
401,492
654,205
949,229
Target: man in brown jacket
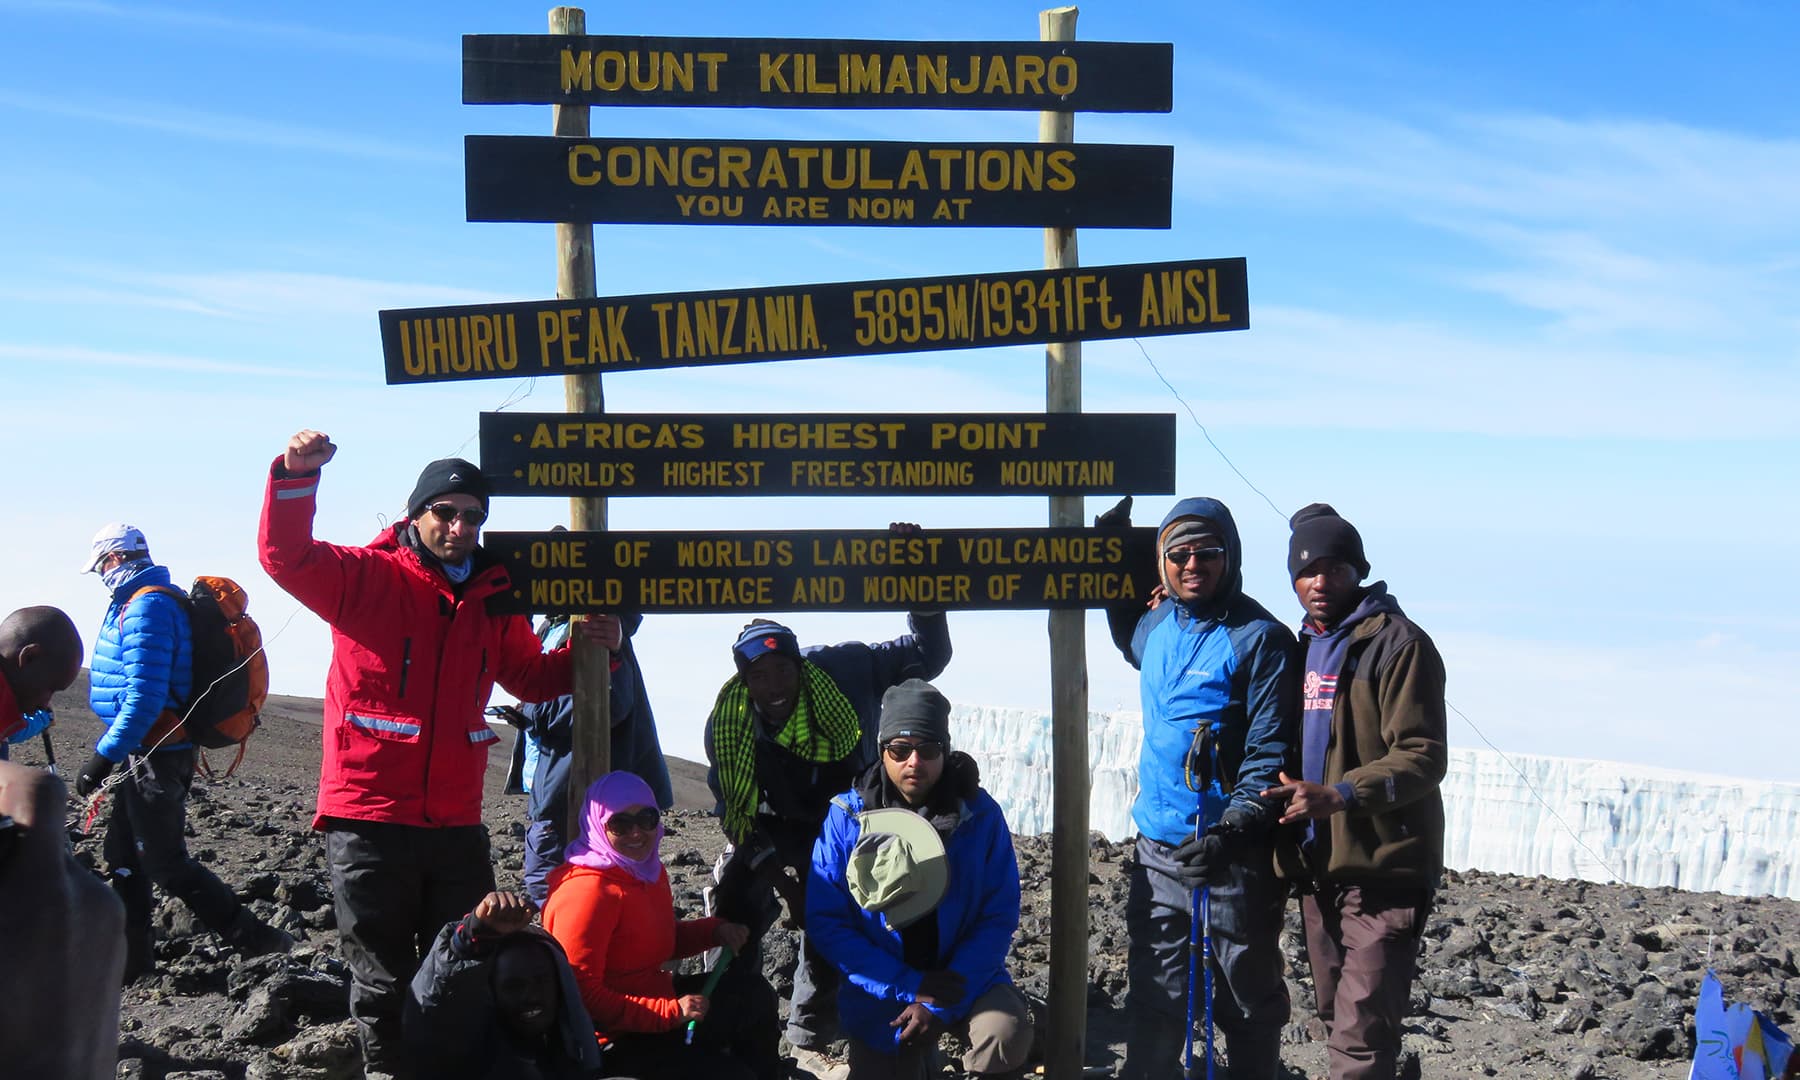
x,y
1370,822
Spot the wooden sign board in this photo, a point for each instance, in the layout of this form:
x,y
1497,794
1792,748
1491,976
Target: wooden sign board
x,y
756,182
790,322
816,454
966,569
781,73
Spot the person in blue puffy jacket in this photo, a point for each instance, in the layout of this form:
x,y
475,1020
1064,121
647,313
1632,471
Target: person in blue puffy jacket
x,y
139,683
913,896
1219,686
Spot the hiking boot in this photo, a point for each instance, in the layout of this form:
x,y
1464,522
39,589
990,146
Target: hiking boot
x,y
819,1066
253,937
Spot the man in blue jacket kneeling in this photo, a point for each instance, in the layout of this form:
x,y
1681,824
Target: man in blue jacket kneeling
x,y
914,896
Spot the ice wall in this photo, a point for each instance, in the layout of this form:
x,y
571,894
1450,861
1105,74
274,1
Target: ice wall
x,y
1517,814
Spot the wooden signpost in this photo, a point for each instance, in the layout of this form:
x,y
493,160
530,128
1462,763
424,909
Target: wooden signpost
x,y
814,570
794,322
777,73
757,182
573,179
814,454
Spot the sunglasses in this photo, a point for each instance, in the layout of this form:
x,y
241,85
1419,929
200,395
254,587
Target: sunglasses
x,y
1180,556
472,516
646,820
900,751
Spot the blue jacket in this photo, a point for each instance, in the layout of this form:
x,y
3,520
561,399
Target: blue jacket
x,y
635,746
1227,667
975,920
143,664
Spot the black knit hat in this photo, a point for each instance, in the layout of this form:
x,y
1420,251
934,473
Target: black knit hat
x,y
916,708
443,477
1319,533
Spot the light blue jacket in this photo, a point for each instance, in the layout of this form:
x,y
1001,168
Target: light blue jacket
x,y
143,663
976,920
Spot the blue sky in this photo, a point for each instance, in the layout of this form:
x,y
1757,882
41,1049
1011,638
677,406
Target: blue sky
x,y
1524,286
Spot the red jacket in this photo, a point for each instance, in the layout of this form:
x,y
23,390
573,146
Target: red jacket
x,y
412,665
618,932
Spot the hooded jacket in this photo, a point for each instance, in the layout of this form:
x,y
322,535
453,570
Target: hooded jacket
x,y
862,672
1387,742
452,1022
142,665
976,919
413,660
1220,697
635,746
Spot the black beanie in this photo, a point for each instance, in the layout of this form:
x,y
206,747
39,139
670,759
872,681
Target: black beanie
x,y
443,477
915,708
1319,533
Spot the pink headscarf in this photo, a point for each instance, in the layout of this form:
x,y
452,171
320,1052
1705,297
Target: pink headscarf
x,y
607,796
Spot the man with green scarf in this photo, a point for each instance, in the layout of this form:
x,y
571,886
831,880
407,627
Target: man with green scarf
x,y
790,730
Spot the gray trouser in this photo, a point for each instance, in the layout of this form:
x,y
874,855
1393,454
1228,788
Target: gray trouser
x,y
1250,999
1362,942
998,1030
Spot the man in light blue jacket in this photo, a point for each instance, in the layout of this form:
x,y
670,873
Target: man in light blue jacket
x,y
1221,709
139,684
914,896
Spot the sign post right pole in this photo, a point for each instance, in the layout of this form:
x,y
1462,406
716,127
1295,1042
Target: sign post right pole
x,y
1066,1051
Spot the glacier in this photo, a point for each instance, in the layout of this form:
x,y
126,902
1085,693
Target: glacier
x,y
1506,813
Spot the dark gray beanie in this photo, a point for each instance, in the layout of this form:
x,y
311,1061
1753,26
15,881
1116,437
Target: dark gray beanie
x,y
442,477
1319,533
915,708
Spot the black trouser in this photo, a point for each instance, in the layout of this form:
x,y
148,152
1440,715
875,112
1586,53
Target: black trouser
x,y
145,843
812,1011
1250,1000
395,886
738,1040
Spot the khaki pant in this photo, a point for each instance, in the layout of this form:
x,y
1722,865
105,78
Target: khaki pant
x,y
998,1029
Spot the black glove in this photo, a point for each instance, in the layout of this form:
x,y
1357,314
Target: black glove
x,y
1119,517
88,780
1202,860
943,987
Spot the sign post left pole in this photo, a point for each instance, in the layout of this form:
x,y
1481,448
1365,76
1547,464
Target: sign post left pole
x,y
592,756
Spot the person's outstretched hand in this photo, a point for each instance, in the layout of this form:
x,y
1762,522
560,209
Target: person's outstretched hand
x,y
504,912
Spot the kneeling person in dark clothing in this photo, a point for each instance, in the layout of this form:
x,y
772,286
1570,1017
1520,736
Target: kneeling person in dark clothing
x,y
914,897
495,1000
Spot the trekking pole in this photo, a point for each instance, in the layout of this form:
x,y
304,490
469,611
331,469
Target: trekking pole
x,y
49,752
1206,965
1196,958
712,983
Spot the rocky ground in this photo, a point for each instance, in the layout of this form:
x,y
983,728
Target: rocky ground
x,y
1521,977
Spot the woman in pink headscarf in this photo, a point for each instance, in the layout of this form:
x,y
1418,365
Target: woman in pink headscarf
x,y
611,909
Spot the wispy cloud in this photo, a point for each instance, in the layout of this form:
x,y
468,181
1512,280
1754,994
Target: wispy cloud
x,y
240,295
74,357
388,46
224,128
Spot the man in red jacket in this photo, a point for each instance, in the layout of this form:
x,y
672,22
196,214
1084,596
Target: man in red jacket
x,y
415,654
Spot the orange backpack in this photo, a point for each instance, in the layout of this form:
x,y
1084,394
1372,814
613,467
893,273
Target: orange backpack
x,y
230,670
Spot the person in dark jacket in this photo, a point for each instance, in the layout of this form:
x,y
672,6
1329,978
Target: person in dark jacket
x,y
1369,819
914,898
415,653
551,726
139,685
1220,713
495,999
790,730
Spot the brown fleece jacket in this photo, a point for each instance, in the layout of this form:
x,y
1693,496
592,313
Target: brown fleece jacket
x,y
1388,741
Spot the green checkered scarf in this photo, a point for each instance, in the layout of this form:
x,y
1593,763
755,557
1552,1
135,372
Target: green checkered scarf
x,y
822,728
